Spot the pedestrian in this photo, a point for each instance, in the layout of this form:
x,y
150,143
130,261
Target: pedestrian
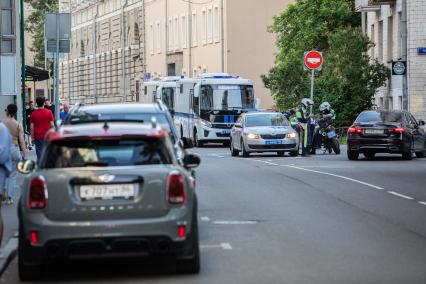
x,y
50,106
5,163
303,117
64,112
41,121
17,151
28,113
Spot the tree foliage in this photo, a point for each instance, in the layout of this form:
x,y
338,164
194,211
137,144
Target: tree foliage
x,y
35,25
349,78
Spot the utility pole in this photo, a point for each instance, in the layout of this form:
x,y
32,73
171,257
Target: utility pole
x,y
94,47
189,40
23,64
166,34
405,99
222,35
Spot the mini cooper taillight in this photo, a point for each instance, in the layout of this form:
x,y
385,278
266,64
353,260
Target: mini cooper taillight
x,y
176,188
38,194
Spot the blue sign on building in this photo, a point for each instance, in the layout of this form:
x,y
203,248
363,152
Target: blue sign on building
x,y
421,50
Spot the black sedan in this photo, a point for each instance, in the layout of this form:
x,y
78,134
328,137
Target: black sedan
x,y
381,131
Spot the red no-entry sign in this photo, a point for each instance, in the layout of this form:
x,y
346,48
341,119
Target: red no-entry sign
x,y
313,60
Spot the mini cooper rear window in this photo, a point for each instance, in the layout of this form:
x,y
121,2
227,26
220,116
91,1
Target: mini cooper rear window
x,y
106,153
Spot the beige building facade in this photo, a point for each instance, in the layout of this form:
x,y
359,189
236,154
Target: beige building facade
x,y
117,44
383,22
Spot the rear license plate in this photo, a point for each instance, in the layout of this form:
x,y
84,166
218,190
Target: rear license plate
x,y
331,134
373,131
273,142
107,191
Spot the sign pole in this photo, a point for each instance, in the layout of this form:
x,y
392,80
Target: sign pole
x,y
57,71
23,69
312,85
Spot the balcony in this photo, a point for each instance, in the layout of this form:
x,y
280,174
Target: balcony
x,y
371,5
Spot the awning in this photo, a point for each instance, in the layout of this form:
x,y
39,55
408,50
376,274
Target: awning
x,y
35,74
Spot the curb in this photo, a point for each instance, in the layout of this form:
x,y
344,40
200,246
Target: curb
x,y
8,253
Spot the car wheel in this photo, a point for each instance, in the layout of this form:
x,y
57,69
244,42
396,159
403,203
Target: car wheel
x,y
280,153
243,149
27,272
191,265
408,155
370,155
421,154
197,142
294,153
234,153
353,155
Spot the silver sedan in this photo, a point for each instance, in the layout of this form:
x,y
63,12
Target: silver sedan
x,y
260,132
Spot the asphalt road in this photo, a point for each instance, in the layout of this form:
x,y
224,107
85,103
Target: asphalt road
x,y
273,220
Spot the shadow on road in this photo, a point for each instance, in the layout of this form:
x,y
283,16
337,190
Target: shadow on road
x,y
111,270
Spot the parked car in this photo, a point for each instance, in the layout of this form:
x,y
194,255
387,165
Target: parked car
x,y
380,131
259,132
107,190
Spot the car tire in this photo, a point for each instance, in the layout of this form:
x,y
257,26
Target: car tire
x,y
243,150
421,154
294,153
191,265
234,152
27,272
197,143
280,153
370,155
353,155
408,155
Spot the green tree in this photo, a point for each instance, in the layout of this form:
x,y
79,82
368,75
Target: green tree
x,y
349,78
35,25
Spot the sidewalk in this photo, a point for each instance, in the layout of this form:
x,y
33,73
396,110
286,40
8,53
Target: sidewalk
x,y
10,221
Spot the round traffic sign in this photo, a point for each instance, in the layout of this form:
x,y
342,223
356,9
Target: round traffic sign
x,y
313,60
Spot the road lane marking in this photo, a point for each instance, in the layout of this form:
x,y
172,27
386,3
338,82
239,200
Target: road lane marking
x,y
266,162
216,155
205,219
226,246
234,222
338,176
400,195
422,202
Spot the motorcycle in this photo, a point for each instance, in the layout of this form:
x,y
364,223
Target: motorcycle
x,y
327,137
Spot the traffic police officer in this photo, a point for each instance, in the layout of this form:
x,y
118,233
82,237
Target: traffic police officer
x,y
303,117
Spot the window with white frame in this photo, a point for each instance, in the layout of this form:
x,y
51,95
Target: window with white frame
x,y
176,32
210,25
183,30
158,24
216,23
7,27
204,27
151,39
194,29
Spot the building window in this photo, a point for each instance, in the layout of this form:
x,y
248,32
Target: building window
x,y
7,27
151,39
390,39
216,23
170,35
176,32
400,102
183,30
210,25
380,41
399,40
373,39
158,37
204,27
390,103
194,29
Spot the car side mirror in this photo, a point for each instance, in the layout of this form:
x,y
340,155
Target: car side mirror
x,y
191,161
26,167
421,122
238,125
186,143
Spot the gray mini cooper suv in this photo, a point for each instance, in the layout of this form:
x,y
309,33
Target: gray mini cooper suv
x,y
107,190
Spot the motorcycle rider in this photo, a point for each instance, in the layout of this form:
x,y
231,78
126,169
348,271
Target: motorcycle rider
x,y
304,117
325,112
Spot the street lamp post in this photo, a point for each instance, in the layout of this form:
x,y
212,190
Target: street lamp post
x,y
22,34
